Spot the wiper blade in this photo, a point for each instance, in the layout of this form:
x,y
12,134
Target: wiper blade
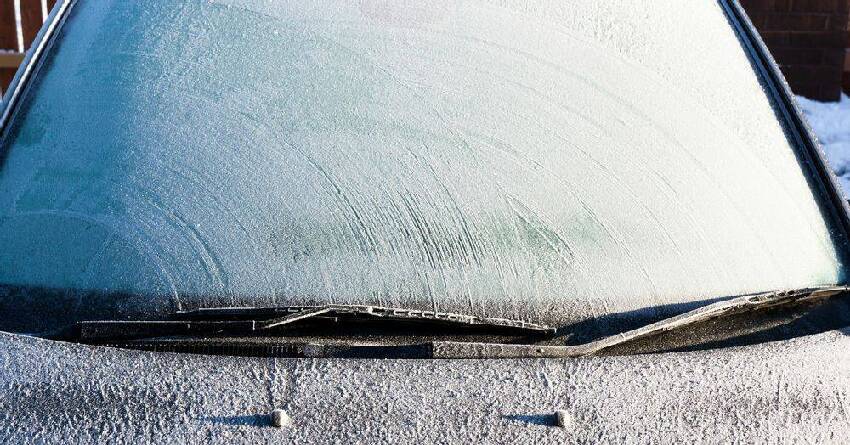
x,y
102,330
255,321
280,316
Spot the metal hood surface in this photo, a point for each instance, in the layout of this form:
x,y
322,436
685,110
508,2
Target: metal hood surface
x,y
65,393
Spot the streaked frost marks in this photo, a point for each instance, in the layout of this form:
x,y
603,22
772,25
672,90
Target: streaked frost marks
x,y
304,151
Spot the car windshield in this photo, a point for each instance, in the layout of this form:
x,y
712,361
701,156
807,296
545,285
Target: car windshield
x,y
546,161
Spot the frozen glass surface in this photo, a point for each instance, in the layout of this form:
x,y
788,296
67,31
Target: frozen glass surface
x,y
544,160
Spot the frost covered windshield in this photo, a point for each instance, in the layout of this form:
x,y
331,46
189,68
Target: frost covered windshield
x,y
539,160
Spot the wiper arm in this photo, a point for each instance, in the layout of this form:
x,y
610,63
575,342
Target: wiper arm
x,y
733,306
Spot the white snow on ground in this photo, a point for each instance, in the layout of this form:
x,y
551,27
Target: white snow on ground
x,y
831,123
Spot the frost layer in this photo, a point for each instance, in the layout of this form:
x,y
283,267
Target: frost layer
x,y
542,160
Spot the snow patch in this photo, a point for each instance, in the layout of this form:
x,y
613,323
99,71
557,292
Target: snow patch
x,y
831,123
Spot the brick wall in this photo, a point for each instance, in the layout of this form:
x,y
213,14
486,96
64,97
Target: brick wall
x,y
845,79
808,39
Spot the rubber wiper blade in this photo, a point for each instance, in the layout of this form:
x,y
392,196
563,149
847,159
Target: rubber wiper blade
x,y
278,317
100,330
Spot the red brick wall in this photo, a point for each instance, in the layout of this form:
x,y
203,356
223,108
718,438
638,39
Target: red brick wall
x,y
808,39
845,79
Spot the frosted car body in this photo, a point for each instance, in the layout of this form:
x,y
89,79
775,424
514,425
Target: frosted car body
x,y
784,392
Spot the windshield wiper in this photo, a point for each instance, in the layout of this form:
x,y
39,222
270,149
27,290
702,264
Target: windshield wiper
x,y
253,321
314,331
719,310
273,317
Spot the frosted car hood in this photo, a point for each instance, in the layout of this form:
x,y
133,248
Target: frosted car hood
x,y
64,393
544,161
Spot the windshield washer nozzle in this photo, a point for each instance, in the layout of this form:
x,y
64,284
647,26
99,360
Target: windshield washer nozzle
x,y
563,419
280,419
